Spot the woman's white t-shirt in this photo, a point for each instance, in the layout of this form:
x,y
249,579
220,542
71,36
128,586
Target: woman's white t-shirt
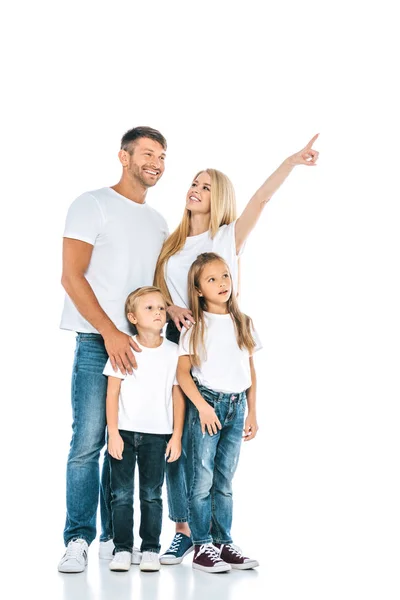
x,y
145,398
225,368
177,267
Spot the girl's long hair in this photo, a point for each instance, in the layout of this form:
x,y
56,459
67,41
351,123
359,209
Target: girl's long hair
x,y
223,212
197,304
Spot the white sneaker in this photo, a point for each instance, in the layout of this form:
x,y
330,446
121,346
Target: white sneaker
x,y
150,562
75,557
106,552
121,562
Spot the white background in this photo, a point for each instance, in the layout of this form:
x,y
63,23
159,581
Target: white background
x,y
237,87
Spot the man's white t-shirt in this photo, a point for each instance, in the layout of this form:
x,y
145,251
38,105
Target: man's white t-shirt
x,y
177,267
145,399
127,238
225,368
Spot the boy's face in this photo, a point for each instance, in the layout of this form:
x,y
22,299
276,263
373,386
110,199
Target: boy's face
x,y
150,312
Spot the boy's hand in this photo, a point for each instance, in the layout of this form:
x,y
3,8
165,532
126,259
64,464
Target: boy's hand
x,y
115,445
209,420
174,449
250,427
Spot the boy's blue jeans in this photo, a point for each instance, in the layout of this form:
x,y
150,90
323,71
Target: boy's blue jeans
x,y
88,396
212,465
148,450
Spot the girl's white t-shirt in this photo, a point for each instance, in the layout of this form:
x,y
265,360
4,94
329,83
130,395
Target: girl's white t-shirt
x,y
145,398
177,267
225,367
127,238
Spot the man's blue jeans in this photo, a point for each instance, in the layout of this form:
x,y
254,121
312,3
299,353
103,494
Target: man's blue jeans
x,y
88,396
148,450
213,462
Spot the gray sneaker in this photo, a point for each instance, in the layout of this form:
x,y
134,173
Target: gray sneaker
x,y
75,557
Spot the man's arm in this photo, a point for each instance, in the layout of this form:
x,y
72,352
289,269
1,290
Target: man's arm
x,y
76,259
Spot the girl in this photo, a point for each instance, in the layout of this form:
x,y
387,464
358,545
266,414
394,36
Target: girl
x,y
143,410
217,352
209,224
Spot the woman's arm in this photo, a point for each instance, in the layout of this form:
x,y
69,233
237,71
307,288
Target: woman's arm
x,y
208,418
249,217
250,425
115,441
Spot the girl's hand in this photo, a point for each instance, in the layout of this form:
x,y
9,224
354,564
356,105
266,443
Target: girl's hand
x,y
180,315
174,449
250,427
209,420
306,156
115,445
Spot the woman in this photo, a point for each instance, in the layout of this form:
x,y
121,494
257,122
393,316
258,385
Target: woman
x,y
209,224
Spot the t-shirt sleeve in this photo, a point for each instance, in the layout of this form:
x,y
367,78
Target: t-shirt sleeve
x,y
257,341
225,242
109,371
84,220
184,342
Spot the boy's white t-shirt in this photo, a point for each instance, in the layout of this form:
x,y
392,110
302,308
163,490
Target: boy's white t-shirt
x,y
127,238
145,399
226,368
177,267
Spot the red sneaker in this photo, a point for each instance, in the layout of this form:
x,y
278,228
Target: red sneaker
x,y
232,555
207,558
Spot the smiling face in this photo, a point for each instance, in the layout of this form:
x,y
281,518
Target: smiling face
x,y
215,285
149,313
144,161
198,198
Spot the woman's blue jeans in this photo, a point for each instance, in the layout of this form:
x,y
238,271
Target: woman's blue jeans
x,y
88,396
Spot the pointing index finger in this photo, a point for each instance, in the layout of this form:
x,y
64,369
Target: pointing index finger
x,y
311,142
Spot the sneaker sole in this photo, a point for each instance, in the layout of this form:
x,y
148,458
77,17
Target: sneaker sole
x,y
124,567
66,569
149,568
174,560
244,566
212,569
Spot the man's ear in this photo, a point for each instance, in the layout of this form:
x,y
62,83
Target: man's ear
x,y
123,156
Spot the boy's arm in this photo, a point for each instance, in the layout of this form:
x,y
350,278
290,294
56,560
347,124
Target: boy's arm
x,y
208,418
251,426
174,446
115,441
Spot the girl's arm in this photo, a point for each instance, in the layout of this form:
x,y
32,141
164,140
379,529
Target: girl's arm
x,y
249,217
115,441
174,446
250,425
208,418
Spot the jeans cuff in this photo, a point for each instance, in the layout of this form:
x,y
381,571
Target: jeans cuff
x,y
223,541
178,520
207,541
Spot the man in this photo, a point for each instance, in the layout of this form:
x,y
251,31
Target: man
x,y
112,240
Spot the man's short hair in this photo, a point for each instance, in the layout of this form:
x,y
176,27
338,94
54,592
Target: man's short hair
x,y
141,132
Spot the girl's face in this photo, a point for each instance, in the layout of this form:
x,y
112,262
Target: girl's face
x,y
150,312
215,284
198,198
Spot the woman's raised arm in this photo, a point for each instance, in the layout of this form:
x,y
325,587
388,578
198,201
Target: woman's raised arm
x,y
251,214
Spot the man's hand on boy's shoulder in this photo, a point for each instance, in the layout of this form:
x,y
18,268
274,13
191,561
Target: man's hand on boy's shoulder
x,y
119,347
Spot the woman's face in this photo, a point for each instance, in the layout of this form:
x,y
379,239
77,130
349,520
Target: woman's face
x,y
198,198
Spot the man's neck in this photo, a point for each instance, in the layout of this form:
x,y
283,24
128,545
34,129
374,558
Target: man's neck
x,y
132,190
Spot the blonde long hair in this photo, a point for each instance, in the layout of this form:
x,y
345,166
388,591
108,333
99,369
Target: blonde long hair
x,y
243,324
223,212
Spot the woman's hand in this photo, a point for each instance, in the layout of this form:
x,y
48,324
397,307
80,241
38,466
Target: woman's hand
x,y
174,449
209,419
180,316
306,156
115,445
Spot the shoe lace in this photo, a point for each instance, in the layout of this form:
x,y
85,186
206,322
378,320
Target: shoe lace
x,y
74,550
235,550
176,542
211,551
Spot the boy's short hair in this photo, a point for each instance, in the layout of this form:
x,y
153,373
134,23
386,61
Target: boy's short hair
x,y
142,291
